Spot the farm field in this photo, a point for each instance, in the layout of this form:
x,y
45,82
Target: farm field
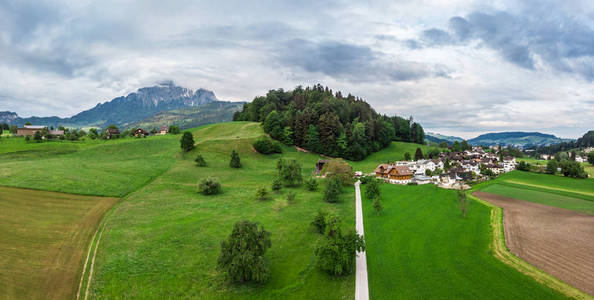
x,y
421,247
44,240
541,196
395,151
163,240
104,168
556,240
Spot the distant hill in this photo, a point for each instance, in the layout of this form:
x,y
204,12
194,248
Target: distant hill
x,y
438,138
518,139
213,112
125,110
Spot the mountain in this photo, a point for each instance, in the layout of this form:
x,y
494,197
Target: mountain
x,y
438,138
213,112
126,110
518,139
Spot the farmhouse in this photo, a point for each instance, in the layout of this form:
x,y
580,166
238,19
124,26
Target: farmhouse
x,y
140,132
112,132
29,130
394,173
163,130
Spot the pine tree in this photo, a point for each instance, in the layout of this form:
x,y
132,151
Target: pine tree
x,y
235,161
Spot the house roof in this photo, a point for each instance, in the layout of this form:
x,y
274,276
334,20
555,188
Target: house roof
x,y
112,130
164,128
33,127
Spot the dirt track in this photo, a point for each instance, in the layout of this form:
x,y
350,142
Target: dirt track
x,y
556,240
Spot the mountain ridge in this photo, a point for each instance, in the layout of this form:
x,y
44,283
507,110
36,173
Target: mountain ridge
x,y
504,138
125,110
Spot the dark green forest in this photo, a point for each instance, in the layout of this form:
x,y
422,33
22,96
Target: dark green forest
x,y
316,119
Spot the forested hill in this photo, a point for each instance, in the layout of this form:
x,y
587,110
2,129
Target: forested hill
x,y
316,119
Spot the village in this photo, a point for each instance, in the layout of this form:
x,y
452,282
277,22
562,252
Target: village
x,y
449,170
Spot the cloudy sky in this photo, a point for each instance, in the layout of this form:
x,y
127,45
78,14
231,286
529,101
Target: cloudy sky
x,y
459,67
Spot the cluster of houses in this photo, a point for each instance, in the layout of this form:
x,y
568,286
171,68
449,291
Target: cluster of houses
x,y
461,167
30,130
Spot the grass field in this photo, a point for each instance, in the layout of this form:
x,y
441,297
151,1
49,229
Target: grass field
x,y
105,168
421,247
395,151
43,241
163,241
558,191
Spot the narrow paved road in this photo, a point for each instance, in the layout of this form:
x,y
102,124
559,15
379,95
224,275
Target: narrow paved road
x,y
361,287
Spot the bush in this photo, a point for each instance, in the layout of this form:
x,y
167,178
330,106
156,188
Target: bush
x,y
291,197
319,222
209,186
277,184
372,191
337,254
570,168
174,129
262,194
311,184
333,189
290,172
187,141
591,158
377,205
200,162
523,166
266,145
235,160
552,167
242,254
340,169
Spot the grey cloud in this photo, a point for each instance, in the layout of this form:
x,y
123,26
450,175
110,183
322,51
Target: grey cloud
x,y
353,62
559,41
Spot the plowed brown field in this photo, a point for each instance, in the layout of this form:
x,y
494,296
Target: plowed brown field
x,y
556,240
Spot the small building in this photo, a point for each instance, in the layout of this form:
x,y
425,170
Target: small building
x,y
163,130
140,132
29,130
112,132
394,173
421,179
56,132
320,165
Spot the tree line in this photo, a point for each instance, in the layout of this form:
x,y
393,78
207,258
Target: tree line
x,y
316,119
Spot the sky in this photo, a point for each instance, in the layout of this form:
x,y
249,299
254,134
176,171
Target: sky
x,y
459,67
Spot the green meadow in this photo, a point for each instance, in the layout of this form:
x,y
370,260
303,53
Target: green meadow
x,y
569,193
421,247
91,167
163,240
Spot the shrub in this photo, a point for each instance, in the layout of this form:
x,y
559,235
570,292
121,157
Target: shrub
x,y
277,184
311,184
339,168
266,145
187,141
174,129
523,166
290,172
200,162
319,222
573,169
591,158
235,160
372,191
262,194
377,205
291,197
552,167
209,186
242,254
333,189
337,254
